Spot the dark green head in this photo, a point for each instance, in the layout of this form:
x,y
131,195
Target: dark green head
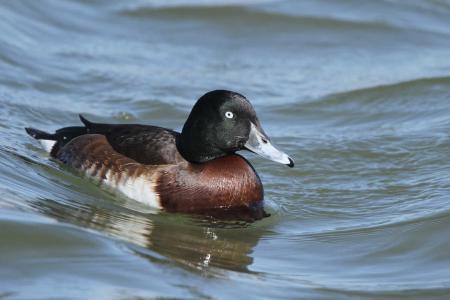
x,y
221,123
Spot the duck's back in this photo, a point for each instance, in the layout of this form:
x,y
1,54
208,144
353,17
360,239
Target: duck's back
x,y
150,145
145,144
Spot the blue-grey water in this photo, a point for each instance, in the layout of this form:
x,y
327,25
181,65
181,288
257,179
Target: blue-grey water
x,y
358,92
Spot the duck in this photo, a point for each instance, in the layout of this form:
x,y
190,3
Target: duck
x,y
194,171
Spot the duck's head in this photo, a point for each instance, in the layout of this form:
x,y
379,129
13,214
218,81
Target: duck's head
x,y
221,123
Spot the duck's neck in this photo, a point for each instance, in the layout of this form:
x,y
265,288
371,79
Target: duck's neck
x,y
197,149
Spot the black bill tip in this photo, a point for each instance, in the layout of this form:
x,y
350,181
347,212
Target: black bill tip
x,y
291,163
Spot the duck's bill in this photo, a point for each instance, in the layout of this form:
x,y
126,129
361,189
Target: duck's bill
x,y
259,143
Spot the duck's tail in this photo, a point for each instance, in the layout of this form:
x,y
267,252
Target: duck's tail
x,y
39,134
52,142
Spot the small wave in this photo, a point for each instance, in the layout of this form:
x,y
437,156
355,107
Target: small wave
x,y
410,105
416,84
250,15
354,95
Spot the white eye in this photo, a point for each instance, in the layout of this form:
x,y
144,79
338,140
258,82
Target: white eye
x,y
229,115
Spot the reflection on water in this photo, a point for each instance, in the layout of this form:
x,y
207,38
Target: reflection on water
x,y
183,239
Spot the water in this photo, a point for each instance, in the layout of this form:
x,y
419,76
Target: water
x,y
358,92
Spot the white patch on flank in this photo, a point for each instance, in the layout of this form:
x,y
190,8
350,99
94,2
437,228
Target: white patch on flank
x,y
141,189
47,144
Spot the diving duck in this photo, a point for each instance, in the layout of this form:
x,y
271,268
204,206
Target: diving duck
x,y
195,171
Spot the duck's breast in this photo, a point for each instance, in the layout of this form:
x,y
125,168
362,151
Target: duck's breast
x,y
227,182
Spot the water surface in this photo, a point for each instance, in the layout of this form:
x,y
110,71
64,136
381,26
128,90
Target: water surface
x,y
358,92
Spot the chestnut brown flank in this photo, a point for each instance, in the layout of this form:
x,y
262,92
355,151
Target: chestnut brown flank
x,y
90,150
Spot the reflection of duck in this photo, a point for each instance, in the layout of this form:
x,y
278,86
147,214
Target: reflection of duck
x,y
204,246
196,170
188,244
